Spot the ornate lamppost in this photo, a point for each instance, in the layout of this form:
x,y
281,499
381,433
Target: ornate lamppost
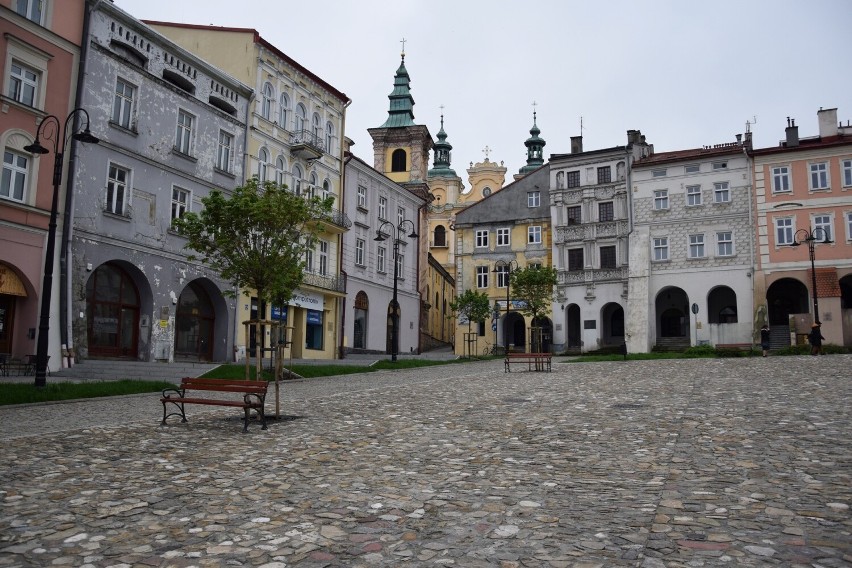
x,y
400,228
504,267
811,237
52,129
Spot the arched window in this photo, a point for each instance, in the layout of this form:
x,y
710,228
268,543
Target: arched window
x,y
262,164
329,137
312,190
440,236
317,129
398,160
280,170
301,118
326,188
112,301
283,110
297,179
266,101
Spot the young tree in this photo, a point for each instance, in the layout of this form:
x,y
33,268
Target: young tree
x,y
534,286
472,306
256,238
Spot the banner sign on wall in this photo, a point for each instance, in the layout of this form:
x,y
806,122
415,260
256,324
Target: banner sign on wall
x,y
307,300
314,317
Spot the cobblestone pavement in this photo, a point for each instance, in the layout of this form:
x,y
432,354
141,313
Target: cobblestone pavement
x,y
641,464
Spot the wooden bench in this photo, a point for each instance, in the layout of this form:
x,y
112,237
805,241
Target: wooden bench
x,y
534,361
253,396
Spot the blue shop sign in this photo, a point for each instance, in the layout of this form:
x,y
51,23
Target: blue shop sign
x,y
279,313
315,317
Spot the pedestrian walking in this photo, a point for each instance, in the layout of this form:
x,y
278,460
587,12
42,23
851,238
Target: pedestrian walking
x,y
815,337
764,339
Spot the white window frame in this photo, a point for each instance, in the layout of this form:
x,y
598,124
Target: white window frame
x,y
502,275
360,247
21,83
381,259
262,165
660,246
185,133
848,216
400,216
658,173
723,165
504,237
26,8
824,221
300,118
362,196
283,109
533,199
721,192
692,168
846,172
661,200
309,260
323,257
696,246
111,186
481,237
785,230
16,172
225,151
31,57
534,235
781,180
724,243
267,98
482,277
329,136
181,202
124,104
819,176
693,196
297,179
383,207
280,170
400,266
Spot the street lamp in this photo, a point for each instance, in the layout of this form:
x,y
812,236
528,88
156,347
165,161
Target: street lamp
x,y
502,266
400,232
811,237
53,130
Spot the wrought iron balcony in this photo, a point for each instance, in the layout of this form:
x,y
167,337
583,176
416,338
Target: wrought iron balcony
x,y
306,145
324,281
338,218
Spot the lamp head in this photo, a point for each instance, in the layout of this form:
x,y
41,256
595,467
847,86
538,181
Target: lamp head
x,y
86,137
379,237
413,235
36,148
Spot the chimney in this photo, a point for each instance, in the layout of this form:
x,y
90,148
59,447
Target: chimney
x,y
748,139
739,139
792,132
576,144
827,122
634,136
347,144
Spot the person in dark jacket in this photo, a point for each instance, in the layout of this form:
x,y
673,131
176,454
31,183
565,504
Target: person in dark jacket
x,y
815,337
764,339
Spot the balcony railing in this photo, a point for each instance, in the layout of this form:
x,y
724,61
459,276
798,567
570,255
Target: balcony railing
x,y
339,218
592,275
591,231
306,145
324,281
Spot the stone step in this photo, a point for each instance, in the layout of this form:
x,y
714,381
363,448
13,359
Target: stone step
x,y
98,369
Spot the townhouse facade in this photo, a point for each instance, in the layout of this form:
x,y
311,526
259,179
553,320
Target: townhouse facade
x,y
591,217
295,138
39,57
691,257
172,129
803,188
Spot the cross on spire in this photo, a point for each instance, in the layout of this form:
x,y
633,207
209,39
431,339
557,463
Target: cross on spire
x,y
534,104
486,151
403,47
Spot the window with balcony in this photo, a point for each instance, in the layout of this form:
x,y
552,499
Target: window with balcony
x,y
323,258
575,259
606,211
573,214
608,259
301,118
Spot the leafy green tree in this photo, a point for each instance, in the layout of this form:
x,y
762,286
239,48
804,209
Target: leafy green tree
x,y
256,238
472,306
534,285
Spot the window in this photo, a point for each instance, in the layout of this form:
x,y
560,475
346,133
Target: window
x,y
400,266
720,166
725,243
658,173
692,169
31,9
573,214
117,194
502,271
533,199
661,248
315,128
224,151
780,179
297,179
383,206
846,166
605,174
849,226
14,180
482,239
23,83
326,189
180,202
381,257
606,211
360,245
122,108
696,246
784,231
575,259
262,164
440,237
823,222
313,183
503,237
693,195
534,235
608,257
398,160
400,216
482,277
819,176
280,170
283,110
661,199
266,99
721,192
183,137
323,258
309,260
573,179
329,137
301,118
362,197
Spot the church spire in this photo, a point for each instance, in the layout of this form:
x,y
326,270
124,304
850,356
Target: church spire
x,y
443,155
535,148
401,112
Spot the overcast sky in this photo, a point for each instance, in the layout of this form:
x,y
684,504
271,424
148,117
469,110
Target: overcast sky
x,y
686,74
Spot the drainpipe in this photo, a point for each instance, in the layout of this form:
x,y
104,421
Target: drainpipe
x,y
750,180
343,161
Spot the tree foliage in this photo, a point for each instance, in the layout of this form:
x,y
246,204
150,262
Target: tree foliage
x,y
533,285
472,306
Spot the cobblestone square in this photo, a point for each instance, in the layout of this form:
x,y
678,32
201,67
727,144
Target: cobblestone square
x,y
719,462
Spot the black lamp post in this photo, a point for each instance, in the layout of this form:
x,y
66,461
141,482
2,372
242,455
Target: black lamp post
x,y
811,237
400,231
498,268
54,130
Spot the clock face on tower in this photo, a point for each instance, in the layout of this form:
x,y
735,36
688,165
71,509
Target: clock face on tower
x,y
486,192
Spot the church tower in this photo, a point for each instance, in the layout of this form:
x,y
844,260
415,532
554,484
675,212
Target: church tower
x,y
446,187
535,151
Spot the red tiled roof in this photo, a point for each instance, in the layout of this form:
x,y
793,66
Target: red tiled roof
x,y
805,144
